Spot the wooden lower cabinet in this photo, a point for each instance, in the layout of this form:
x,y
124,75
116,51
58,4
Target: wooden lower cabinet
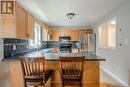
x,y
16,76
11,74
4,74
91,74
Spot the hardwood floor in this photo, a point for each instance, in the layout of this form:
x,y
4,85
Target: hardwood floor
x,y
109,85
103,85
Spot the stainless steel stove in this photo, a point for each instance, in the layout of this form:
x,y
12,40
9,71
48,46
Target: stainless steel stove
x,y
65,48
65,44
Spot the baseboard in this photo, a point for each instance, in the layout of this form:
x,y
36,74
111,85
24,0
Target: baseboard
x,y
114,77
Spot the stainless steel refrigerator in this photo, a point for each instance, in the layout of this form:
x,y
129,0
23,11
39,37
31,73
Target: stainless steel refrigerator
x,y
87,43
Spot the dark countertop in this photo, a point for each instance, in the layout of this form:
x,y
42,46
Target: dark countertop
x,y
54,56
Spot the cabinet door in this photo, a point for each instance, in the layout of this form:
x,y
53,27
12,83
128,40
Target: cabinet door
x,y
20,23
7,29
4,74
74,35
16,74
30,25
91,74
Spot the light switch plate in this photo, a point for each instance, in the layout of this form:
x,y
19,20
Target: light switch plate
x,y
126,41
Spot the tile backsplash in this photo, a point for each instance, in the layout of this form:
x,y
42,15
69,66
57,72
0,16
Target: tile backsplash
x,y
12,48
15,47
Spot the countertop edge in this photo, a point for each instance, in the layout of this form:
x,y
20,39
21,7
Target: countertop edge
x,y
55,60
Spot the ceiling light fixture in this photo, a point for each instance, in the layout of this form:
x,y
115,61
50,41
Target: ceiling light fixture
x,y
113,22
70,15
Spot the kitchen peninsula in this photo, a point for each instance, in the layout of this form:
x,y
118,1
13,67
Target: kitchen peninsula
x,y
91,72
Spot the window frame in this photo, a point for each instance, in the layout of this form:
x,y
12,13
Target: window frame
x,y
32,42
108,28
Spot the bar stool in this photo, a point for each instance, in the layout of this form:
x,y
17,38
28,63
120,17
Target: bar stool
x,y
33,71
71,69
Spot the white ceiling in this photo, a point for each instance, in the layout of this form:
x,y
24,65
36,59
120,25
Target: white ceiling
x,y
53,12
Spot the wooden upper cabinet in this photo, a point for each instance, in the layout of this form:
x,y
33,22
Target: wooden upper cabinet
x,y
20,23
24,23
86,31
73,33
7,27
30,25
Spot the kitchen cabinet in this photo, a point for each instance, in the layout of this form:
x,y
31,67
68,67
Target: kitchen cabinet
x,y
18,25
30,25
91,73
24,23
74,33
4,74
20,22
86,31
56,33
7,28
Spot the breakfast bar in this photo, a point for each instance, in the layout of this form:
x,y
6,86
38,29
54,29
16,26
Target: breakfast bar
x,y
91,71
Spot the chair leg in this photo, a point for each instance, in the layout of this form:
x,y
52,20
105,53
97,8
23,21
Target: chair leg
x,y
80,85
25,85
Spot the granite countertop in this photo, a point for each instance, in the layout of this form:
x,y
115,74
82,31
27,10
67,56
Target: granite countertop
x,y
54,56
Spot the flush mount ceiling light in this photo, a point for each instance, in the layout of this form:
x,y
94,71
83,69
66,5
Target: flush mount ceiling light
x,y
113,22
70,15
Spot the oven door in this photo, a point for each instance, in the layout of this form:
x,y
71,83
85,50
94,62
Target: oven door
x,y
65,48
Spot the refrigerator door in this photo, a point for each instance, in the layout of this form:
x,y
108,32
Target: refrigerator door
x,y
87,43
83,41
92,43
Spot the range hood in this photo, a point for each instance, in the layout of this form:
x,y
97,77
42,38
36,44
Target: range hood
x,y
64,39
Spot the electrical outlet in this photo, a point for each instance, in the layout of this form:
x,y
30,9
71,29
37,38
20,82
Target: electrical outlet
x,y
14,47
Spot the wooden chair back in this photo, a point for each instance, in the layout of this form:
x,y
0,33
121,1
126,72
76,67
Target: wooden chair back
x,y
71,65
33,66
